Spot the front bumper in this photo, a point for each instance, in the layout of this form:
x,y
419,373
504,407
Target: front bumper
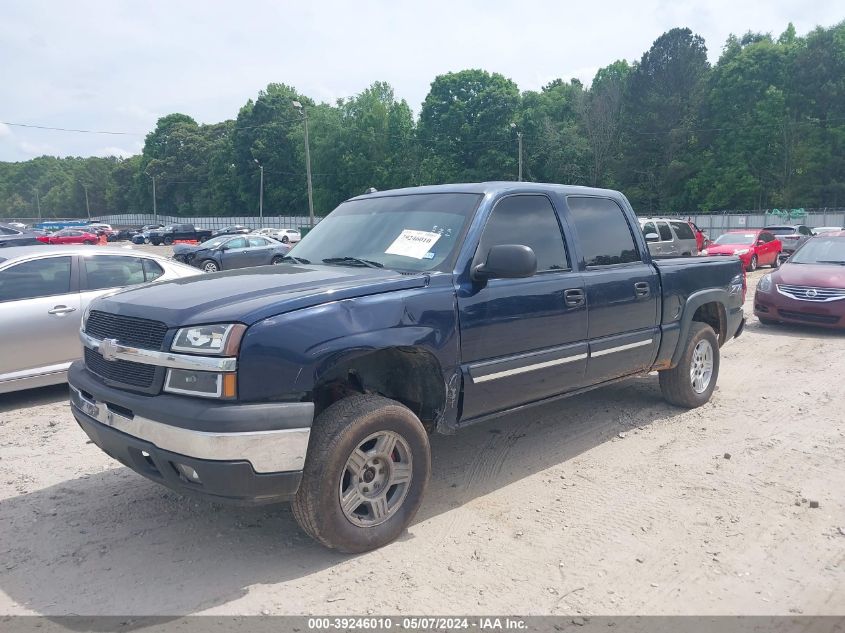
x,y
777,307
246,453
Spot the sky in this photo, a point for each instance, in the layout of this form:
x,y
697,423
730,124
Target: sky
x,y
118,65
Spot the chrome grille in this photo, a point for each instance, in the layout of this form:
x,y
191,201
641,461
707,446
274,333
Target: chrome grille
x,y
122,371
811,293
127,330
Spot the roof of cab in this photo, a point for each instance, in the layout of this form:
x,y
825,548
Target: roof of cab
x,y
491,188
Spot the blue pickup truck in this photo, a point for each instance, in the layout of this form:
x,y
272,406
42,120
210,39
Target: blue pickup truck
x,y
403,313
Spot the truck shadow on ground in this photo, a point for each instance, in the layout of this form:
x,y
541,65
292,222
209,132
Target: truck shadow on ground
x,y
115,543
29,398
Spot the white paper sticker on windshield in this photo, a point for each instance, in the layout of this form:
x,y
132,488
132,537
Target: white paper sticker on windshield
x,y
413,243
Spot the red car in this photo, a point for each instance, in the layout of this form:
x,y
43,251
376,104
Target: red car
x,y
754,247
701,239
809,287
70,236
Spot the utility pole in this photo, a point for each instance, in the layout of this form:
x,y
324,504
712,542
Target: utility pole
x,y
260,192
298,106
519,138
155,209
38,203
87,206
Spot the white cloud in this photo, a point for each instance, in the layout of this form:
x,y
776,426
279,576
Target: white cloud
x,y
120,152
5,131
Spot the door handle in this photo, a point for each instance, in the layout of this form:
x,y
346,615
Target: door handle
x,y
61,310
642,289
573,297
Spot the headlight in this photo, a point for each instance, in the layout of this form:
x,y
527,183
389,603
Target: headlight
x,y
742,251
215,340
704,252
765,283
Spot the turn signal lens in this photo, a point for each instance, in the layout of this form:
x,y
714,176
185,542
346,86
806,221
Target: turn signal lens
x,y
230,385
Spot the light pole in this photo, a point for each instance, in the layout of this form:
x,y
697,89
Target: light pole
x,y
87,206
298,106
155,209
519,138
38,204
260,193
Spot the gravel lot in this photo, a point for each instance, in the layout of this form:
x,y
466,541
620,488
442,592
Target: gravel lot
x,y
608,503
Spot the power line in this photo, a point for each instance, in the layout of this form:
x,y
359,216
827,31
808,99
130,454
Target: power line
x,y
65,129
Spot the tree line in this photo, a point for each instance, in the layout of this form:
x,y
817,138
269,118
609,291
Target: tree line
x,y
764,127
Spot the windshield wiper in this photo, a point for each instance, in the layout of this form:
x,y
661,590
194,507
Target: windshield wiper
x,y
297,260
831,261
353,260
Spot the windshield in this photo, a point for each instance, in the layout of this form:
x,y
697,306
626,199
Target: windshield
x,y
820,250
414,232
214,242
736,238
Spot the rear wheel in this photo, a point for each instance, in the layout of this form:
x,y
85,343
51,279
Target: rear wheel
x,y
752,265
209,266
692,382
168,241
365,474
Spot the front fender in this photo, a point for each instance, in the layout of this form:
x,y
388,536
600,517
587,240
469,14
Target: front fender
x,y
282,357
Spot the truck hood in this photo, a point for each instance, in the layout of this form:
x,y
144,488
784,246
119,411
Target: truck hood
x,y
817,275
249,295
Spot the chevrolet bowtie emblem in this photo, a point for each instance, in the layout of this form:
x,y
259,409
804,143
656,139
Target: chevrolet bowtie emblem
x,y
108,348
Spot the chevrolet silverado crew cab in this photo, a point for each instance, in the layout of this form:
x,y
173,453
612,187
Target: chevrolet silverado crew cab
x,y
403,313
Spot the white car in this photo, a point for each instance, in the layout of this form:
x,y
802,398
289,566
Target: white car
x,y
45,291
825,229
286,236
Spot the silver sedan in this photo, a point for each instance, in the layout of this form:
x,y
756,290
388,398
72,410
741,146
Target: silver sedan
x,y
44,290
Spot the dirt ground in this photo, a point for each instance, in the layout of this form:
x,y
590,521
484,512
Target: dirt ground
x,y
608,503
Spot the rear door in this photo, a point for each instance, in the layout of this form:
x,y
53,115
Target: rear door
x,y
39,315
260,250
622,289
523,339
667,239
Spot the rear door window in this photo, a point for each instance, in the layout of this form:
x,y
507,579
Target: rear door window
x,y
683,230
603,231
113,271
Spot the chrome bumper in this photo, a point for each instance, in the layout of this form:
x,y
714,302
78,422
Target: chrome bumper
x,y
267,451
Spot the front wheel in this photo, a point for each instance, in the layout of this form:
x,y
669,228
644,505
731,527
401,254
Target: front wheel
x,y
285,239
209,266
752,265
367,468
692,382
168,241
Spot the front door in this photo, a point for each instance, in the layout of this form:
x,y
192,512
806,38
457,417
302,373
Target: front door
x,y
522,339
39,316
622,290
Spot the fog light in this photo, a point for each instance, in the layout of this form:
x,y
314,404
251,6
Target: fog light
x,y
188,473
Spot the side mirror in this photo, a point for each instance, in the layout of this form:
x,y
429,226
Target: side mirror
x,y
223,247
652,237
506,261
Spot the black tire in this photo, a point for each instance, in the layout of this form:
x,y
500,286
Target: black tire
x,y
776,263
155,242
278,259
89,242
168,241
209,266
752,265
766,321
676,384
285,239
336,433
